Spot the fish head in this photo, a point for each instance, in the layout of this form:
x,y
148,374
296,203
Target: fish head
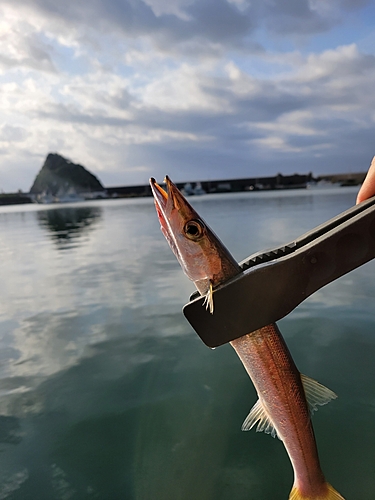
x,y
201,254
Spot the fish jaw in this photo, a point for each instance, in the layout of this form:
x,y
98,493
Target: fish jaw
x,y
162,205
202,256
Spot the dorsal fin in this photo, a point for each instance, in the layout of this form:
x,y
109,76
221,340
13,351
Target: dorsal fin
x,y
258,415
316,394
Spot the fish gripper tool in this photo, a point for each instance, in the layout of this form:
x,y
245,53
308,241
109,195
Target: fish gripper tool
x,y
273,282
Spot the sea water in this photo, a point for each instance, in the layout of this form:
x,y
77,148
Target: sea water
x,y
107,393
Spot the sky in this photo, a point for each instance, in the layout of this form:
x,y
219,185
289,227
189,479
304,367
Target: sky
x,y
196,89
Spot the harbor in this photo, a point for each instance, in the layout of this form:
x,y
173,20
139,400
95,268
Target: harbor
x,y
61,181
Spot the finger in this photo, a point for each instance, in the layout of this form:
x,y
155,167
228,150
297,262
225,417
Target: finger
x,y
368,187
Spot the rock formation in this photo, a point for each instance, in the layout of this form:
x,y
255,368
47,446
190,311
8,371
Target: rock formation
x,y
59,175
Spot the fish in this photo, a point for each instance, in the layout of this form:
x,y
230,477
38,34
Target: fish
x,y
286,398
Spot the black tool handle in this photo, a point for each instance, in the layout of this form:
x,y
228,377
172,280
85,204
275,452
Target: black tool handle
x,y
273,285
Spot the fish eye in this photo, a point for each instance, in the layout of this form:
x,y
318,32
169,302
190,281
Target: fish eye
x,y
194,229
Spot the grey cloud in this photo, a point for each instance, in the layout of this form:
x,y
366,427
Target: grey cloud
x,y
70,114
32,53
185,163
243,118
9,133
230,135
219,20
341,142
37,48
122,100
295,16
4,152
215,20
304,17
353,4
207,22
8,62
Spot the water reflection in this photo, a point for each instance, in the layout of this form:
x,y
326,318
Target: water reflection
x,y
9,430
67,224
148,416
106,392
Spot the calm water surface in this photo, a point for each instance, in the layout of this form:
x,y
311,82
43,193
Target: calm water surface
x,y
106,392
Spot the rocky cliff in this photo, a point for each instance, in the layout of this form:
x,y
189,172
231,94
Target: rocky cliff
x,y
59,175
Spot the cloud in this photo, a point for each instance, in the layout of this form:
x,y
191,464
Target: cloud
x,y
25,51
8,133
214,20
203,88
182,26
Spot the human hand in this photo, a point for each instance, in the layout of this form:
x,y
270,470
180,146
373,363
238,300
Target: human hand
x,y
368,187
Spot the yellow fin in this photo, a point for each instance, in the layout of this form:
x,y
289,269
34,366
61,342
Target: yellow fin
x,y
316,394
259,416
209,299
331,494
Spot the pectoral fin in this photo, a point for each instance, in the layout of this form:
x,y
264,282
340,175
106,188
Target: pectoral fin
x,y
259,415
209,299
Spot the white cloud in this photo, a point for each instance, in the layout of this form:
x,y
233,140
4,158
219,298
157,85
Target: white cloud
x,y
179,85
181,89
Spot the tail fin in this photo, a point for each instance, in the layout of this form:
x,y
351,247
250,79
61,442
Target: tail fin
x,y
331,494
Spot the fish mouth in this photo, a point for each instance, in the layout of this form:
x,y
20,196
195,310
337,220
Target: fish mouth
x,y
163,205
160,196
166,201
